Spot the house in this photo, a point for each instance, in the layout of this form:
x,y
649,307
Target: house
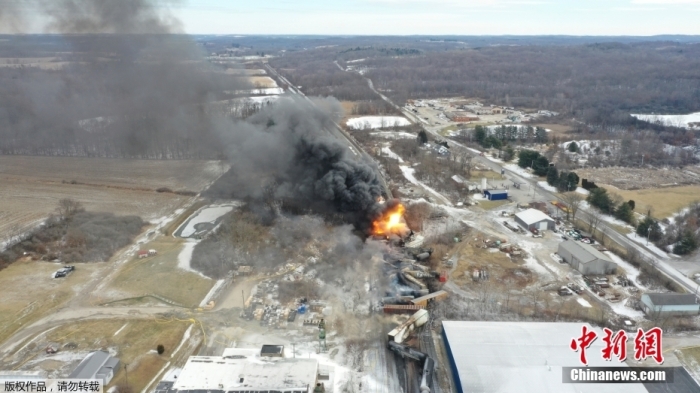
x,y
152,252
659,305
495,195
143,254
534,219
585,258
96,365
523,357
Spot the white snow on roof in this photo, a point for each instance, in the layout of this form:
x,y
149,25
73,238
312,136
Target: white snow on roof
x,y
256,373
368,122
532,216
504,357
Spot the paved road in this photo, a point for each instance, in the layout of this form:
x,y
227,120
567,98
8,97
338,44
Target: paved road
x,y
675,275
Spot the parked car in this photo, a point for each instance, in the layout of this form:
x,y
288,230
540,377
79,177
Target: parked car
x,y
64,271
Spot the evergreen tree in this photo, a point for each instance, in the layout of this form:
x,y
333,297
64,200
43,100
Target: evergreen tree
x,y
686,245
643,229
624,212
480,134
552,176
573,147
422,137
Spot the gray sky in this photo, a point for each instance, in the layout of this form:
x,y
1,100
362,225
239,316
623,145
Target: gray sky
x,y
439,17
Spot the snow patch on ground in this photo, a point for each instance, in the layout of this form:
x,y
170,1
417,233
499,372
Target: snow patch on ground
x,y
582,191
387,151
185,337
394,135
520,171
671,120
212,292
120,329
583,302
206,215
371,122
408,174
643,241
185,256
630,271
355,61
543,184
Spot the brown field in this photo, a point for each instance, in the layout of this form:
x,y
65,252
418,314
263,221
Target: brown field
x,y
263,81
29,292
159,276
134,345
32,186
640,178
664,202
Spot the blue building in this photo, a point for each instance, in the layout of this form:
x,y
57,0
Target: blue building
x,y
495,195
659,305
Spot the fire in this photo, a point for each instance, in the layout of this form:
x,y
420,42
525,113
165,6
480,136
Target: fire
x,y
391,222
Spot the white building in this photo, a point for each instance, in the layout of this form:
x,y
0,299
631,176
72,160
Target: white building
x,y
244,370
533,218
523,357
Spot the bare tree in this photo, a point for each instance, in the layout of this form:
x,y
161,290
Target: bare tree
x,y
68,207
594,218
573,199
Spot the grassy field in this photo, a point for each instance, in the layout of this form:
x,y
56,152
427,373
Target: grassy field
x,y
491,175
663,201
32,186
160,276
29,292
135,345
490,205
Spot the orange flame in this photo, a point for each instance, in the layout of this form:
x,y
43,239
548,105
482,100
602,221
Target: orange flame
x,y
391,222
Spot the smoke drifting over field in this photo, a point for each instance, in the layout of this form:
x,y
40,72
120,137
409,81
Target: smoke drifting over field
x,y
127,85
132,87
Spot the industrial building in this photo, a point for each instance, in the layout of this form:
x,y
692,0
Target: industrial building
x,y
96,365
461,117
660,305
244,370
585,258
523,357
495,195
534,219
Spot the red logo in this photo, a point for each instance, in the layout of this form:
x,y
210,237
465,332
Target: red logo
x,y
615,344
646,344
584,341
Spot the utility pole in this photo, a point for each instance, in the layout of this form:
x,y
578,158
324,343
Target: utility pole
x,y
648,234
127,373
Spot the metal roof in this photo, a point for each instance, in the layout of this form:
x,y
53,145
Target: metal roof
x,y
523,357
671,299
532,216
496,192
246,373
91,365
583,252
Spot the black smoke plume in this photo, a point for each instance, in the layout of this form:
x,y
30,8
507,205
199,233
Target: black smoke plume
x,y
286,154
